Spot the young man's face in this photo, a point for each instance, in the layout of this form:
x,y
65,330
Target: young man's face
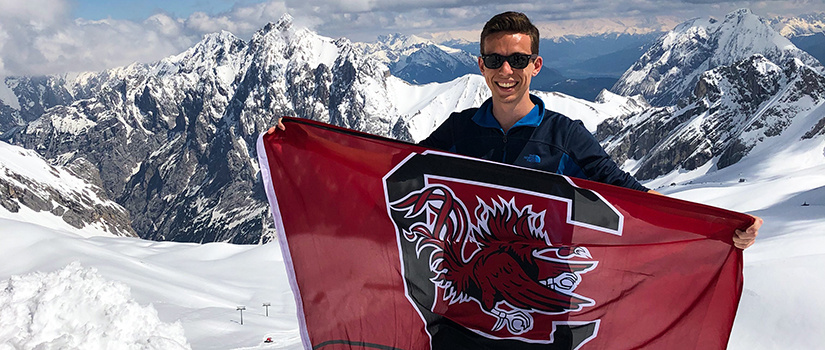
x,y
507,83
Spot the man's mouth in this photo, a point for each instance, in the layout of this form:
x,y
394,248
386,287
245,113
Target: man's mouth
x,y
506,85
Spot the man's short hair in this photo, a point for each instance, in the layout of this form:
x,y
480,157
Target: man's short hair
x,y
511,22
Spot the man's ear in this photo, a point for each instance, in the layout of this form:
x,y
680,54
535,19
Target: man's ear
x,y
481,65
537,64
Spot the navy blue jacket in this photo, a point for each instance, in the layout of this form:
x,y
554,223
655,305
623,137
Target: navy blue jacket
x,y
541,140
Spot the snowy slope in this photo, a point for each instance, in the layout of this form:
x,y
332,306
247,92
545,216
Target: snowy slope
x,y
607,105
138,294
424,107
101,314
784,183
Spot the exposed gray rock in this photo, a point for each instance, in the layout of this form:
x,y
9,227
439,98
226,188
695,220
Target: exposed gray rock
x,y
732,110
54,190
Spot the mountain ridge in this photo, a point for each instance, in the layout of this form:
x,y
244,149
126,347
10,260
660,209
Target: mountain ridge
x,y
173,141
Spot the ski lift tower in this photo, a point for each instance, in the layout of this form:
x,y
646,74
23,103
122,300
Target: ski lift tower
x,y
241,308
266,306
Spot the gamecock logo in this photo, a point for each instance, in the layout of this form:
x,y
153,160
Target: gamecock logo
x,y
499,277
505,261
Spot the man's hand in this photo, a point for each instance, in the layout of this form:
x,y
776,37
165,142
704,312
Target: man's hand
x,y
277,126
746,238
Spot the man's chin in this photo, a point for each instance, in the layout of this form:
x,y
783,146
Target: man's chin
x,y
506,96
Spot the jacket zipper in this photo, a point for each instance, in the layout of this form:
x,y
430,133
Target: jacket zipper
x,y
504,151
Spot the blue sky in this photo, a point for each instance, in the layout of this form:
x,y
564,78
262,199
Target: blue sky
x,y
59,36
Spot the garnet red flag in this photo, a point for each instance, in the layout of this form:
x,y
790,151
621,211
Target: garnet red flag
x,y
389,245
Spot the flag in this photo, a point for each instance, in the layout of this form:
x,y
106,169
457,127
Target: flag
x,y
389,245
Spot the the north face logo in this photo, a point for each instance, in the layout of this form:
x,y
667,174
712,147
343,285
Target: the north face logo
x,y
532,158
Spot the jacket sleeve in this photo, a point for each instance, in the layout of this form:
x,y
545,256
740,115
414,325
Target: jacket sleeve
x,y
443,138
594,161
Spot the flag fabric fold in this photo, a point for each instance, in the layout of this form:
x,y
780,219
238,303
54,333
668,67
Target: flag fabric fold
x,y
389,245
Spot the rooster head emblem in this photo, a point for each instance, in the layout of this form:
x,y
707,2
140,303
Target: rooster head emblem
x,y
501,258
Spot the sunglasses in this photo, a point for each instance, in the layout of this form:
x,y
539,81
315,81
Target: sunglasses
x,y
516,60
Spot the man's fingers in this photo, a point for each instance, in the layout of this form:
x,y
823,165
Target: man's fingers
x,y
744,239
754,228
277,126
747,234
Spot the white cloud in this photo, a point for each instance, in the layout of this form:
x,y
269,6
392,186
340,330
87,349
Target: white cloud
x,y
39,37
37,13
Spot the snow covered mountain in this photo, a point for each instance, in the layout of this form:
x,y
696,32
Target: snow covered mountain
x,y
670,69
420,61
734,110
174,140
803,25
23,99
169,141
61,197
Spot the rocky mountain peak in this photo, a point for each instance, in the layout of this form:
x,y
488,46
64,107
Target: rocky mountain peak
x,y
284,23
669,70
418,60
734,110
740,14
173,141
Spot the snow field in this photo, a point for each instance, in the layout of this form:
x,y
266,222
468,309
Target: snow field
x,y
76,308
63,290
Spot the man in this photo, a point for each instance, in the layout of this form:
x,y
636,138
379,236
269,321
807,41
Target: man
x,y
514,127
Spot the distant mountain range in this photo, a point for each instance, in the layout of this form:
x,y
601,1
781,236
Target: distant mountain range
x,y
579,66
173,141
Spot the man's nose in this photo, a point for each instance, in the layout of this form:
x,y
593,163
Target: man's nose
x,y
505,68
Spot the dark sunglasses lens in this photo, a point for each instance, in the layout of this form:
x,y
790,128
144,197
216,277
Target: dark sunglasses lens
x,y
518,61
493,61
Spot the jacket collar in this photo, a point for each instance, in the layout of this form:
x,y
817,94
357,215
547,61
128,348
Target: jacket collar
x,y
484,115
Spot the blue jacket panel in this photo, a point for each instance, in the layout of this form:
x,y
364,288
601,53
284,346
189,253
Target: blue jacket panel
x,y
541,140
